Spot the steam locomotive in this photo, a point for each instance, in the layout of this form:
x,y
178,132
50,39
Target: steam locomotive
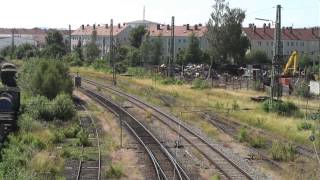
x,y
9,100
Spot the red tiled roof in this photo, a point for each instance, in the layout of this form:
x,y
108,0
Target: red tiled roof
x,y
179,31
101,30
286,34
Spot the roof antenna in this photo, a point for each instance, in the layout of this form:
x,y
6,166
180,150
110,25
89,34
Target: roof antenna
x,y
144,13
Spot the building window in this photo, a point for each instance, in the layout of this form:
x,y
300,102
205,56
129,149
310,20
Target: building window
x,y
271,43
288,43
259,43
292,43
179,40
184,40
296,43
302,43
267,43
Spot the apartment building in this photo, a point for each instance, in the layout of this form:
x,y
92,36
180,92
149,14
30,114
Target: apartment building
x,y
182,36
303,40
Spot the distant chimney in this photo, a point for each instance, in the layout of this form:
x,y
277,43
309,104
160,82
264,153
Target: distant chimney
x,y
94,27
291,30
254,29
82,26
158,26
250,25
196,27
98,24
188,26
264,27
107,26
119,25
168,27
87,24
200,24
283,29
269,25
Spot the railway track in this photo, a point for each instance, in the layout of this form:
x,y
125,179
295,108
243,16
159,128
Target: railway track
x,y
165,166
231,168
90,167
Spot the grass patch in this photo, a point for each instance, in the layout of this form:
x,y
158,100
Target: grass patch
x,y
200,84
115,171
256,142
283,152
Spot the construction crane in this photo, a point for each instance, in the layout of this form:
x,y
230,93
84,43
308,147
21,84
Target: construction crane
x,y
292,64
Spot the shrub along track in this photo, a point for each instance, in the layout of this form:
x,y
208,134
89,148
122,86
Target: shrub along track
x,y
229,165
165,166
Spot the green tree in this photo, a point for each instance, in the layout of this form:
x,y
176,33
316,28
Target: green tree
x,y
156,55
55,47
227,44
49,78
257,57
26,51
136,36
78,50
146,50
92,51
6,51
193,53
304,61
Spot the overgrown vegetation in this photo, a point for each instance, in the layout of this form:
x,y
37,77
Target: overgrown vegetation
x,y
281,108
253,141
45,77
283,152
200,84
115,171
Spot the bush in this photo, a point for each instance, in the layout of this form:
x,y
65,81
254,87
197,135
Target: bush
x,y
304,126
280,107
115,171
39,107
71,132
57,136
63,107
83,138
243,135
50,78
171,81
73,59
200,84
283,152
27,123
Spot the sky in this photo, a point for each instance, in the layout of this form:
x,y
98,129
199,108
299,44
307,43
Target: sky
x,y
61,13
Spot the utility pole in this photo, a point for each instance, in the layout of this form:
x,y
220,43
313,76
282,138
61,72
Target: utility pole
x,y
277,56
12,43
112,60
69,38
171,59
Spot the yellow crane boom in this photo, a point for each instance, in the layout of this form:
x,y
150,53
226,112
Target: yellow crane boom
x,y
292,63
